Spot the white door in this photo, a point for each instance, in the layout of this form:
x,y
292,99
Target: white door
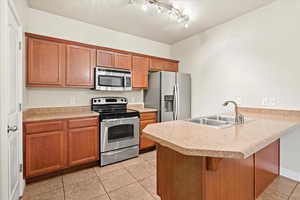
x,y
14,69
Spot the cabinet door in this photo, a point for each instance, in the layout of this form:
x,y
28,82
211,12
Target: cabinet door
x,y
170,66
83,145
123,61
46,63
140,68
105,58
146,119
266,167
80,66
163,65
45,152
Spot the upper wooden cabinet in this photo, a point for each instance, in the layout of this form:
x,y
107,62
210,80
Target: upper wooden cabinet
x,y
113,60
123,61
140,68
105,58
80,64
53,62
46,63
157,64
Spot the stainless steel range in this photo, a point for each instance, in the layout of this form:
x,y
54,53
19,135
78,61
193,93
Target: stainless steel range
x,y
119,129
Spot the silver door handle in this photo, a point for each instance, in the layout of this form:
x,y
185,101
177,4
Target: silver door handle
x,y
177,101
174,103
12,129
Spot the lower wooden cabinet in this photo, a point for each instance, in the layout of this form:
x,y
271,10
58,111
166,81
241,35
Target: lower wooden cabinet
x,y
266,167
54,145
82,146
146,119
45,152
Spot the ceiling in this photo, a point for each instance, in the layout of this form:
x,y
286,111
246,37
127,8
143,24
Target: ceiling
x,y
120,16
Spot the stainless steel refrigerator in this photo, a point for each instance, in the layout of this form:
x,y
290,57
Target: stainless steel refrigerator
x,y
170,93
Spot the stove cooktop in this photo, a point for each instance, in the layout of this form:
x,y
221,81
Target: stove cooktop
x,y
112,108
116,114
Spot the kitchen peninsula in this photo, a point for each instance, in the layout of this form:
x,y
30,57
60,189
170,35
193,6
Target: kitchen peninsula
x,y
197,162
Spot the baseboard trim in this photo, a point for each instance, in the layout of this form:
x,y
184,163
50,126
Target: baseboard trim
x,y
290,174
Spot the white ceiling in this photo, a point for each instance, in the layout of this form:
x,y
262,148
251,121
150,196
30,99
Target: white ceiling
x,y
120,16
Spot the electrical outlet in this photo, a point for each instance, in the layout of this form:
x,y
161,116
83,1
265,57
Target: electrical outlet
x,y
264,101
272,101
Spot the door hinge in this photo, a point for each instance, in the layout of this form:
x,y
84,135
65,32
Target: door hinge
x,y
20,45
20,107
21,167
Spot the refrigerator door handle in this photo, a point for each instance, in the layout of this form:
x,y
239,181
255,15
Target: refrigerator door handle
x,y
177,101
174,103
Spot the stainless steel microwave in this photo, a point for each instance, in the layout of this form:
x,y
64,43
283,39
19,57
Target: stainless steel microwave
x,y
108,79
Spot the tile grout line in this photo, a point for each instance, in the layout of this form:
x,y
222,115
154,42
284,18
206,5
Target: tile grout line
x,y
62,180
147,190
138,181
119,187
102,184
134,176
294,189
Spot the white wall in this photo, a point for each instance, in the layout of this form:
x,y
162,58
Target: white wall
x,y
44,23
60,97
250,58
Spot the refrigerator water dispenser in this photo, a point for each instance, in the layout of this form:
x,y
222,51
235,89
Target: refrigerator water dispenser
x,y
169,103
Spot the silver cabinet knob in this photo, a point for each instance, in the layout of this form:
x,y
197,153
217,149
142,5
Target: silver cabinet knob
x,y
12,129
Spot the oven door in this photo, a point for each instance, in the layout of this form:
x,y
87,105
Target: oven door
x,y
119,133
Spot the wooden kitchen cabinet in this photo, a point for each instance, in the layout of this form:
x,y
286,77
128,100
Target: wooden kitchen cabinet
x,y
83,147
45,63
80,65
157,64
45,152
105,59
51,146
114,60
54,62
146,119
266,167
123,61
140,68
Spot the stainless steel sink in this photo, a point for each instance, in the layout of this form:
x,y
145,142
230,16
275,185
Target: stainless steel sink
x,y
211,122
216,121
221,118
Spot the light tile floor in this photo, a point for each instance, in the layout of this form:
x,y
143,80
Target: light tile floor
x,y
130,180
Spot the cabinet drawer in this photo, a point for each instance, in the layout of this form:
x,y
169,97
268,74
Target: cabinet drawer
x,y
38,127
147,116
83,122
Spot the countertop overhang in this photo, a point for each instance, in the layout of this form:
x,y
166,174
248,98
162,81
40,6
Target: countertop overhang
x,y
239,141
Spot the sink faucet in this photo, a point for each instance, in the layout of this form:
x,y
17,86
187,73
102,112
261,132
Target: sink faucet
x,y
239,118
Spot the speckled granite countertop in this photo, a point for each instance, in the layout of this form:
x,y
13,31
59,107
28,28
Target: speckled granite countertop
x,y
140,108
41,114
238,141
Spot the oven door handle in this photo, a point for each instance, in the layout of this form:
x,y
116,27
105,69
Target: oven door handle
x,y
119,119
